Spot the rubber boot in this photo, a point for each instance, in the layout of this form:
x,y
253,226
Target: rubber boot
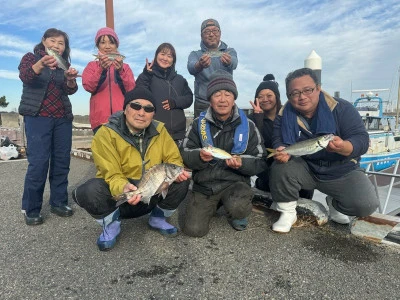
x,y
157,221
287,218
335,215
111,229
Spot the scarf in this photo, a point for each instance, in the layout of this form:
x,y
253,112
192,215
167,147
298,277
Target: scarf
x,y
322,122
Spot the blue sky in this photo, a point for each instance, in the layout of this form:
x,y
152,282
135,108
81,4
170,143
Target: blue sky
x,y
358,41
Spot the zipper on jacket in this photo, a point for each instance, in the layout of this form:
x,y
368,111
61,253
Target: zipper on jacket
x,y
109,89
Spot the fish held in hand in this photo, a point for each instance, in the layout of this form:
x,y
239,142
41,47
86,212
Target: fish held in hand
x,y
61,63
111,56
217,152
155,180
216,53
306,147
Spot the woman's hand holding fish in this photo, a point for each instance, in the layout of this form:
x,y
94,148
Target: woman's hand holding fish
x,y
71,75
206,156
340,146
135,198
281,156
235,162
105,62
118,63
185,175
45,61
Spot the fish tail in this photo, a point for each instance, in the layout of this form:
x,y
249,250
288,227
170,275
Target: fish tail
x,y
272,152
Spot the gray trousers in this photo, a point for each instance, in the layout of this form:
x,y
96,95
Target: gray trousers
x,y
236,200
353,194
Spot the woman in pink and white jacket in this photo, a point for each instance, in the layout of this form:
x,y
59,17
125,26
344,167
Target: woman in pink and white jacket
x,y
107,78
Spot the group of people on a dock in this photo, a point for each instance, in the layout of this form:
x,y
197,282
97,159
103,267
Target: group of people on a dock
x,y
138,124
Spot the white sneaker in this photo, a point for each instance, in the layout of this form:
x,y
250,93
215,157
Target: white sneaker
x,y
287,218
335,215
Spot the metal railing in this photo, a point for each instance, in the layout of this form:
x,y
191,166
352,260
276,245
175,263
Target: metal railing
x,y
371,171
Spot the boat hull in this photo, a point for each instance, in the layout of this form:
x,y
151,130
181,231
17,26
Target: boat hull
x,y
386,160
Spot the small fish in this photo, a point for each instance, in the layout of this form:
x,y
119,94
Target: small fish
x,y
217,152
216,53
61,63
111,56
155,180
305,147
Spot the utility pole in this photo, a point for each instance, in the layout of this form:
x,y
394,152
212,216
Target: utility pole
x,y
109,13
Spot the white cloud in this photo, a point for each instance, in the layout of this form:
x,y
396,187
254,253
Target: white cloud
x,y
357,40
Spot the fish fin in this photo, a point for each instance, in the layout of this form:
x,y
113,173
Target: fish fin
x,y
272,152
163,189
146,200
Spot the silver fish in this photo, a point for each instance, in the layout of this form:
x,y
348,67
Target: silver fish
x,y
111,56
61,63
305,147
155,180
214,53
217,152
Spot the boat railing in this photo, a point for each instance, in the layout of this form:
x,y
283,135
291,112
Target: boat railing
x,y
369,170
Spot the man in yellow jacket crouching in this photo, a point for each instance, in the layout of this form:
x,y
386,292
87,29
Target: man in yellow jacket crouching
x,y
130,143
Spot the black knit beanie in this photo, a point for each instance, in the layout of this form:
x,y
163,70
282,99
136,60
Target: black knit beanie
x,y
270,84
221,80
138,93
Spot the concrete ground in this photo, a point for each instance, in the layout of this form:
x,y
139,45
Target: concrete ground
x,y
60,259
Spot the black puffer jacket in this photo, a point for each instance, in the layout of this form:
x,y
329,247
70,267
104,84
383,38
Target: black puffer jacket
x,y
168,85
211,178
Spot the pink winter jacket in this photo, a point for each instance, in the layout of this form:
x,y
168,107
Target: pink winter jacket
x,y
105,87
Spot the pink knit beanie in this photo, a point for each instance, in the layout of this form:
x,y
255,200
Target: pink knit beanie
x,y
106,31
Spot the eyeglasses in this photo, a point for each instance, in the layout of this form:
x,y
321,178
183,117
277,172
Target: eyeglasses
x,y
208,31
137,106
305,92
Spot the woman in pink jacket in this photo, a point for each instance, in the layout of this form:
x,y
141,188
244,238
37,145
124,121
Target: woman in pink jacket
x,y
107,78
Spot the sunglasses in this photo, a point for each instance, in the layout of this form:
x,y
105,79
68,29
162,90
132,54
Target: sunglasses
x,y
137,106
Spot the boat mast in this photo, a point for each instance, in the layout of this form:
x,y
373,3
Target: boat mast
x,y
398,104
109,13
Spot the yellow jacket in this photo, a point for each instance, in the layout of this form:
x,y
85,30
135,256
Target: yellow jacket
x,y
117,156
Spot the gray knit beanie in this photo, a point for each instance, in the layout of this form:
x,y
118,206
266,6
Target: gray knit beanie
x,y
221,80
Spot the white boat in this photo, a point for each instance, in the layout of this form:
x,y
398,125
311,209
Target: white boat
x,y
384,146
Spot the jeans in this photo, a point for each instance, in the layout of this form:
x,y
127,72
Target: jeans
x,y
49,142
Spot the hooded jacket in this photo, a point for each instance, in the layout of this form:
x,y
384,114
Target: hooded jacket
x,y
202,78
105,86
349,126
212,177
118,155
168,85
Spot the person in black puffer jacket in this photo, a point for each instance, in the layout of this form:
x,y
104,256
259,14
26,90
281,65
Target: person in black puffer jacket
x,y
226,180
170,90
